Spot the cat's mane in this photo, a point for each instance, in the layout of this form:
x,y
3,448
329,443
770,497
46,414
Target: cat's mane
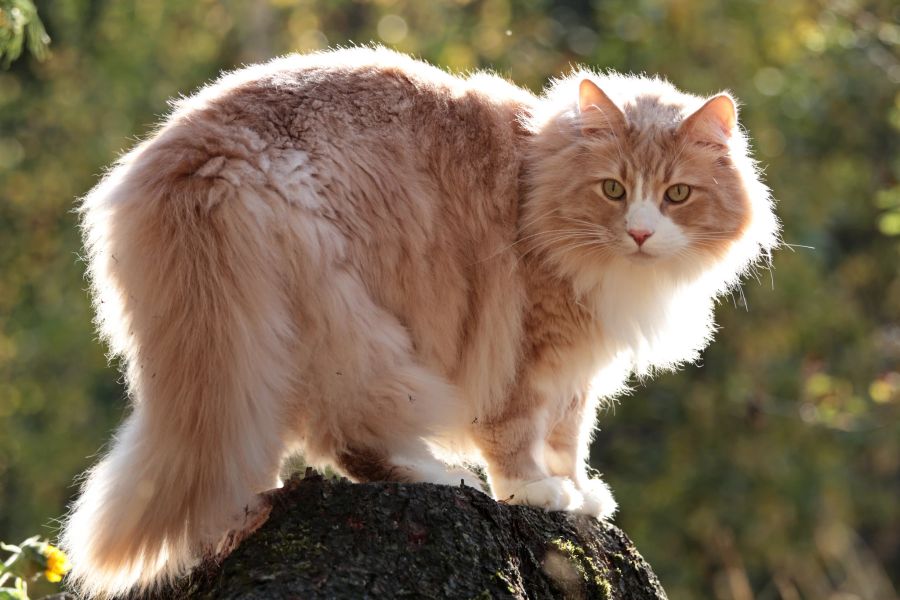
x,y
663,317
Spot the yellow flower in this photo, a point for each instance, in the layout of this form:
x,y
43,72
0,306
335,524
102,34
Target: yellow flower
x,y
57,563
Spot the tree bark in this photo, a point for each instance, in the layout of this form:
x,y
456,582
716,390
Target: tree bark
x,y
334,539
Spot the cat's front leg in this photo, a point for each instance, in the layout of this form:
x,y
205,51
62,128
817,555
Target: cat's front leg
x,y
566,454
512,444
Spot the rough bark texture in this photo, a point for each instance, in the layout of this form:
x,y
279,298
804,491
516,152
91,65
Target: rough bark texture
x,y
334,539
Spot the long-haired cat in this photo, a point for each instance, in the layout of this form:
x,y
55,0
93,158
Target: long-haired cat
x,y
395,270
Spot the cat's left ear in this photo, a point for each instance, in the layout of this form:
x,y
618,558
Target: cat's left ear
x,y
599,114
715,122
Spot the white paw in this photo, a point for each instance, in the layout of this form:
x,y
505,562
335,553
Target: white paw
x,y
552,493
598,500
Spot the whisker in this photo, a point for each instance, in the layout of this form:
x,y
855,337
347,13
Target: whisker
x,y
712,236
740,290
526,238
543,244
601,229
535,218
568,246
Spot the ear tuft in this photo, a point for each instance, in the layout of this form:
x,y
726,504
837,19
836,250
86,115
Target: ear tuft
x,y
714,122
598,112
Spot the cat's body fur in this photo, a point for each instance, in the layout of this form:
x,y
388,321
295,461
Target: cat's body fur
x,y
354,254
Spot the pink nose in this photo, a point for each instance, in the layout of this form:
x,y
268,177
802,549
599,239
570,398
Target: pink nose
x,y
639,235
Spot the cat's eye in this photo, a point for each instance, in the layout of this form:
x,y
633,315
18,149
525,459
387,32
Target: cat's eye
x,y
613,189
678,192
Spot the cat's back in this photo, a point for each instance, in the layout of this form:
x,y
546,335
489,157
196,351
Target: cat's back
x,y
367,126
352,94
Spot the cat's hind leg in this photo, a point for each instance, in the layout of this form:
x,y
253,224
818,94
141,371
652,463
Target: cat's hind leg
x,y
370,465
393,446
374,411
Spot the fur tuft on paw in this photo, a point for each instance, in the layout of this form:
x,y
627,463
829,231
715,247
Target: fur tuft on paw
x,y
598,500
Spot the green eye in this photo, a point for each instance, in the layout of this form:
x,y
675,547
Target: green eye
x,y
613,189
678,192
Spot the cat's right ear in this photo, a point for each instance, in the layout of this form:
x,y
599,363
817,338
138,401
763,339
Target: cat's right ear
x,y
599,114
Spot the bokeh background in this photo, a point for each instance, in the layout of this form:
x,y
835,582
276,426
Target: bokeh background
x,y
771,470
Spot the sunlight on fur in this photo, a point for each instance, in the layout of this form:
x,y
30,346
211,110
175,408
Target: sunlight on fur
x,y
359,256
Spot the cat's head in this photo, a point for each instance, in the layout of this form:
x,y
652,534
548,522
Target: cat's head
x,y
628,171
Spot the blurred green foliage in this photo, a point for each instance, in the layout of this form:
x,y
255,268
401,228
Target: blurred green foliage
x,y
771,472
20,26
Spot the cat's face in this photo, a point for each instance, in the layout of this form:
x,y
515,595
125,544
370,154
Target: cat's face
x,y
646,186
662,195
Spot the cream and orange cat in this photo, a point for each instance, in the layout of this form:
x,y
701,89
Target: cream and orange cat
x,y
395,270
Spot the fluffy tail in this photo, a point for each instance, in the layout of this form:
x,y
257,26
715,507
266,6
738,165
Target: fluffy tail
x,y
189,292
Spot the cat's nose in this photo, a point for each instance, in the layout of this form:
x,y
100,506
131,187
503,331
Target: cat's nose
x,y
640,235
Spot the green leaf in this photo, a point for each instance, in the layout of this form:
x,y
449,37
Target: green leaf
x,y
21,26
20,592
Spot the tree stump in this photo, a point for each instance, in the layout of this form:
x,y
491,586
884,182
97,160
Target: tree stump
x,y
333,539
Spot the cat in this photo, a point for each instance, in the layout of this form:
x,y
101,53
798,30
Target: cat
x,y
396,271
